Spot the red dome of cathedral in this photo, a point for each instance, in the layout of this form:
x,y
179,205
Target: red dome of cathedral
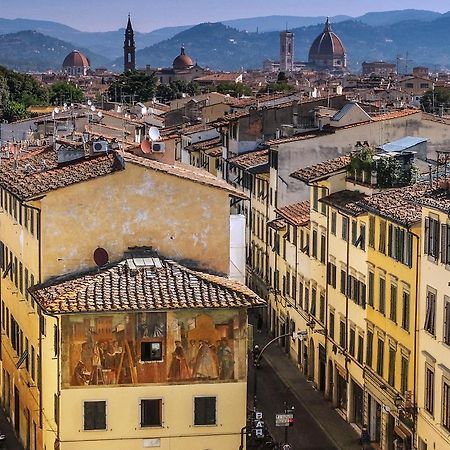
x,y
327,50
182,61
76,59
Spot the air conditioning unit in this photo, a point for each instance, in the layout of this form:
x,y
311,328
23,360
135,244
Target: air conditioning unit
x,y
100,147
158,147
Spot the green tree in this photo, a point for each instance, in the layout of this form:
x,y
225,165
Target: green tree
x,y
13,111
132,86
281,77
65,92
436,98
234,89
277,87
175,89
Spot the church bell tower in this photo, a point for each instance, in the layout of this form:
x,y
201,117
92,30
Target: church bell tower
x,y
129,48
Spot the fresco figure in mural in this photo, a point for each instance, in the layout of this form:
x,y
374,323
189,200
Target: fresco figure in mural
x,y
192,354
80,376
226,360
179,369
205,363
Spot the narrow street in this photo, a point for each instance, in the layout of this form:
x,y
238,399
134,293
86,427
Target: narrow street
x,y
271,395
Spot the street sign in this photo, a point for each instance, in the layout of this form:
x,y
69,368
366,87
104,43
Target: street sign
x,y
259,425
284,420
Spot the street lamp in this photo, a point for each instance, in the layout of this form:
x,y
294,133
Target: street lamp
x,y
398,401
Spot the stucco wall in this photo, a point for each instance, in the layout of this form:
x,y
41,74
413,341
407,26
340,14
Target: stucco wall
x,y
135,207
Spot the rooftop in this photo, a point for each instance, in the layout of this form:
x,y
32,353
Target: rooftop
x,y
141,282
349,202
322,170
251,159
403,144
205,145
296,214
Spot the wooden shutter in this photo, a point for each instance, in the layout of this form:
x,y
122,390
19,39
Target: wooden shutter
x,y
444,243
427,233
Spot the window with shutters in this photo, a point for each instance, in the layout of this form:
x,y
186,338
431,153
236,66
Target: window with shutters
x,y
429,389
342,334
382,296
95,415
391,373
343,282
369,351
333,222
431,241
331,326
151,412
406,310
205,410
323,206
404,368
323,248
430,313
354,231
322,307
352,343
372,231
380,357
446,404
445,244
393,305
382,242
345,222
314,243
315,198
306,299
371,297
313,301
332,274
360,356
447,321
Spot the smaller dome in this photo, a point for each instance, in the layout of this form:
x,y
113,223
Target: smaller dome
x,y
76,59
182,61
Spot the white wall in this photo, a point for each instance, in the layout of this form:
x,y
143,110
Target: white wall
x,y
237,247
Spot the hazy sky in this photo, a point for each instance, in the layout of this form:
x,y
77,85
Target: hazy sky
x,y
100,15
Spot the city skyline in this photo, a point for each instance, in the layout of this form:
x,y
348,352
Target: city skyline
x,y
104,16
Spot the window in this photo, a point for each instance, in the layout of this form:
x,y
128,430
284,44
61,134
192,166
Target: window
x,y
95,415
323,206
382,243
431,237
333,222
380,357
429,389
306,299
382,296
393,309
405,310
372,231
354,232
445,244
430,315
322,307
322,248
151,413
313,301
369,352
151,351
343,282
371,289
314,244
331,325
404,374
352,343
446,405
447,321
342,334
332,274
344,228
315,198
362,237
400,244
205,411
360,356
391,374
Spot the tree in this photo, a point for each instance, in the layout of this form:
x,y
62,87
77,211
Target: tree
x,y
13,111
277,87
436,98
281,77
132,86
175,89
234,89
65,92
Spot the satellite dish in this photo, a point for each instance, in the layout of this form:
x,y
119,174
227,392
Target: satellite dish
x,y
153,134
101,257
143,110
89,102
56,110
100,114
92,108
146,146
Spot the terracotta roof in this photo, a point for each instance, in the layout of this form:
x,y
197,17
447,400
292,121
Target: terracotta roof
x,y
277,224
296,214
251,159
326,44
190,129
394,114
438,197
142,282
205,145
350,202
76,59
185,171
37,172
321,170
224,76
298,137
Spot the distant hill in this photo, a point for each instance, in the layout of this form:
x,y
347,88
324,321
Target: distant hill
x,y
30,51
391,17
220,47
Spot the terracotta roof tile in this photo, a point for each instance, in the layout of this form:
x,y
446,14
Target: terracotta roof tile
x,y
147,283
277,224
37,172
205,145
321,170
250,159
296,214
350,202
394,114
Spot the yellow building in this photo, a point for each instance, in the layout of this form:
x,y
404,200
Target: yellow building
x,y
60,217
434,321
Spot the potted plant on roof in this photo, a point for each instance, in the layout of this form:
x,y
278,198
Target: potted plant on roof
x,y
361,164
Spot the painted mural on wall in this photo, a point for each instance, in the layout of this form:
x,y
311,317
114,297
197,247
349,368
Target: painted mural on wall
x,y
137,348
